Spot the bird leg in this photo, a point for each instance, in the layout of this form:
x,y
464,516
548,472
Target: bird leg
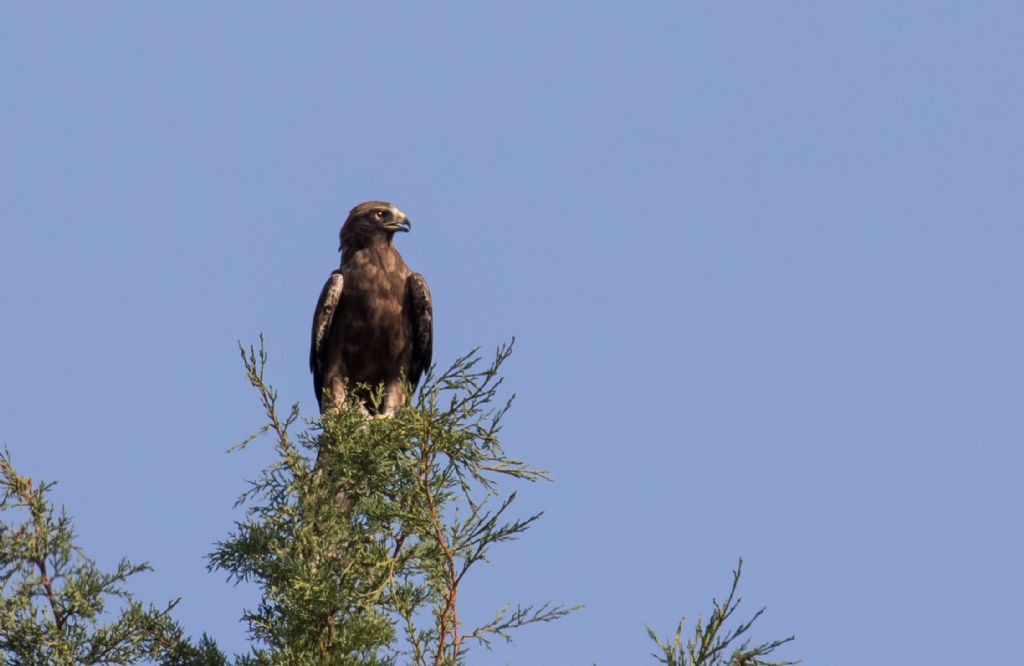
x,y
392,400
334,392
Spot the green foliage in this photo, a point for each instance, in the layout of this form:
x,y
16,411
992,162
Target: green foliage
x,y
206,653
359,535
709,645
53,610
362,530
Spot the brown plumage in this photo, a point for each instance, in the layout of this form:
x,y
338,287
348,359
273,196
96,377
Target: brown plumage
x,y
373,323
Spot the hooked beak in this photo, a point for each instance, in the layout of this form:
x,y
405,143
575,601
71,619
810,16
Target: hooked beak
x,y
401,223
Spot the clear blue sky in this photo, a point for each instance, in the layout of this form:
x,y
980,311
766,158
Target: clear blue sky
x,y
763,261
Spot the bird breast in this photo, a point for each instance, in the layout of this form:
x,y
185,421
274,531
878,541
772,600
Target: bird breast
x,y
372,325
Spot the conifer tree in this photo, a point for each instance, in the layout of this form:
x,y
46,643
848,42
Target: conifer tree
x,y
359,535
714,643
56,604
361,532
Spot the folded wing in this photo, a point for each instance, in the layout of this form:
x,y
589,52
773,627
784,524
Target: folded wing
x,y
421,311
326,306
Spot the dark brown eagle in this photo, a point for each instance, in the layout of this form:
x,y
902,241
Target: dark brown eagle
x,y
373,323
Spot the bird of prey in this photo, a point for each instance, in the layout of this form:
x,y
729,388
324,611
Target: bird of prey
x,y
373,323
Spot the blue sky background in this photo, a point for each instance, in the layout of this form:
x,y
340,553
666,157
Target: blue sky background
x,y
763,262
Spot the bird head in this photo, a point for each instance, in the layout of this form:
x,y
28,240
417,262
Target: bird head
x,y
372,221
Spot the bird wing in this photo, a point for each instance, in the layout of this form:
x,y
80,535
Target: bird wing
x,y
326,306
421,311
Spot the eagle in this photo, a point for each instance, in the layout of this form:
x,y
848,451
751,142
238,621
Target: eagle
x,y
374,319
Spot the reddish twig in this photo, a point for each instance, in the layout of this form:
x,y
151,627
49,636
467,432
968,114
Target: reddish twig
x,y
40,562
450,613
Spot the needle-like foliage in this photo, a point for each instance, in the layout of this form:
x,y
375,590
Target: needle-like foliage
x,y
359,535
713,643
54,609
362,530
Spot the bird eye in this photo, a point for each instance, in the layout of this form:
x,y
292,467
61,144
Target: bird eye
x,y
379,215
